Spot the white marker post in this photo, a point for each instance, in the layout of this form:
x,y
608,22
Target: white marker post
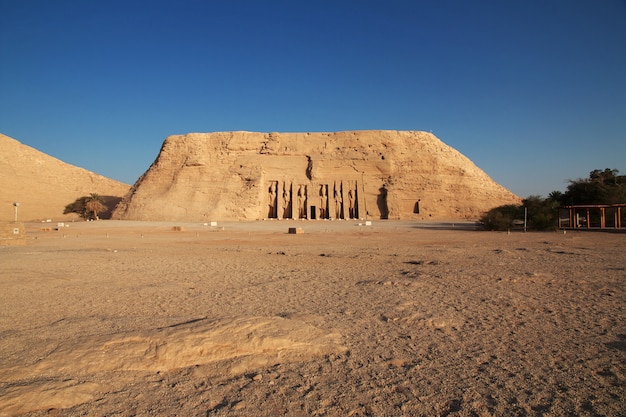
x,y
525,218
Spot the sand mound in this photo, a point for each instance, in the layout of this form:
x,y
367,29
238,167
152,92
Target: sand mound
x,y
44,185
246,342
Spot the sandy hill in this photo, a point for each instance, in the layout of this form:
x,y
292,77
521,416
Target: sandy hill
x,y
44,185
340,175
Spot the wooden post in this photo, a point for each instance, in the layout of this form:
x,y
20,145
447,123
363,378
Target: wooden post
x,y
588,220
602,218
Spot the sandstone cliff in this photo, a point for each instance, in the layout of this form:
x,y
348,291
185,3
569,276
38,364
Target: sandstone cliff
x,y
355,174
44,185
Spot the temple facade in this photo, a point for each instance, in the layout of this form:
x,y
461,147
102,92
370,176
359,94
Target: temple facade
x,y
313,176
314,200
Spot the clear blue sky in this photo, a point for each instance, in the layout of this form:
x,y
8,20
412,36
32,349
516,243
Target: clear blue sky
x,y
532,91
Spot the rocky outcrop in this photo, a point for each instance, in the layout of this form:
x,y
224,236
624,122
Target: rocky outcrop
x,y
44,185
341,175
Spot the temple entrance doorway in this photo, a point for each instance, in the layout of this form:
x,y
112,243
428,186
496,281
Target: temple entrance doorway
x,y
313,213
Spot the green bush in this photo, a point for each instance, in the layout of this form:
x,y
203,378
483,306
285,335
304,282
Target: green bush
x,y
602,187
540,215
502,217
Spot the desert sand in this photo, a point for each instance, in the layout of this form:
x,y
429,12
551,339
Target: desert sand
x,y
121,318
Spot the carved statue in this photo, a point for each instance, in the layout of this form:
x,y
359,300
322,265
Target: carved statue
x,y
302,202
323,201
351,199
286,202
272,213
338,201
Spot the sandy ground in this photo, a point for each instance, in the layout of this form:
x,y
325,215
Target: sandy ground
x,y
243,319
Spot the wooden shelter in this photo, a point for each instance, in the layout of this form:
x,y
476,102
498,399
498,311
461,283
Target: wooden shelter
x,y
592,216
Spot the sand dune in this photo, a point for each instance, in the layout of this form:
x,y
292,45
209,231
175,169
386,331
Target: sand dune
x,y
44,185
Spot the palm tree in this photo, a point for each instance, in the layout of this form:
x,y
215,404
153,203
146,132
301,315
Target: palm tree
x,y
93,204
556,197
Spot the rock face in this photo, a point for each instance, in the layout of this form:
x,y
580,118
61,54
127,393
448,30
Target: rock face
x,y
342,175
44,185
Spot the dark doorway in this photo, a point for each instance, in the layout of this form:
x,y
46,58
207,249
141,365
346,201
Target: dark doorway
x,y
313,213
416,207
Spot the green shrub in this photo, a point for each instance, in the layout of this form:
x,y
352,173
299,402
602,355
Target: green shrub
x,y
502,217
